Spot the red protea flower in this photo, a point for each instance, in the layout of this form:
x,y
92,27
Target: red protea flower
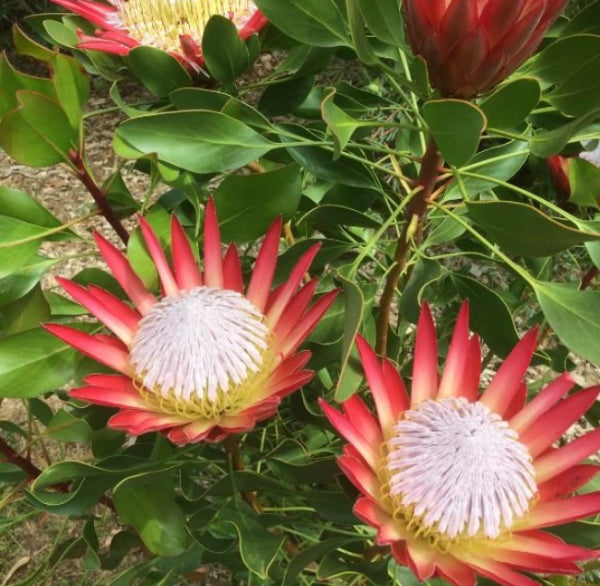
x,y
459,483
211,357
175,26
471,45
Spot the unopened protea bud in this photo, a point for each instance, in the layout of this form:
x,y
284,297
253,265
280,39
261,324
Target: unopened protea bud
x,y
472,45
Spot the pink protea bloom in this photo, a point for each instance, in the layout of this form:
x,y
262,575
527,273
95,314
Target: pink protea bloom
x,y
209,358
459,483
472,45
175,26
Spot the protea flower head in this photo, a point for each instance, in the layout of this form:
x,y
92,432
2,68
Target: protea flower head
x,y
175,26
460,483
472,45
209,358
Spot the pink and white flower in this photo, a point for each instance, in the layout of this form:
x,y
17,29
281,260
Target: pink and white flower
x,y
211,356
175,26
460,483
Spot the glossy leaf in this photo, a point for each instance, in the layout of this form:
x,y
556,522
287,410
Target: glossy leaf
x,y
456,127
340,124
147,502
33,362
524,230
160,72
573,315
38,133
72,86
248,204
24,313
225,53
314,22
198,141
384,19
509,105
576,90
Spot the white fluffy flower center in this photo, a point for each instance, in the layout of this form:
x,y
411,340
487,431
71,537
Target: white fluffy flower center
x,y
160,23
199,344
459,470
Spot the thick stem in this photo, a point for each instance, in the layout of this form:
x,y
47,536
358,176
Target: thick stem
x,y
416,211
99,196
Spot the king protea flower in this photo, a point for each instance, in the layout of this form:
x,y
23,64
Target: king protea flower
x,y
459,483
209,358
175,26
471,45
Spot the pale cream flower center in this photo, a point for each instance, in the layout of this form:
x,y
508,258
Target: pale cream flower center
x,y
160,23
457,470
197,350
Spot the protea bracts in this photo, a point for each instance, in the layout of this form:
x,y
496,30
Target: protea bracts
x,y
211,356
460,483
175,26
472,45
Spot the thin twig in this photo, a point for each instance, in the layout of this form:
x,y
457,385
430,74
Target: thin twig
x,y
99,195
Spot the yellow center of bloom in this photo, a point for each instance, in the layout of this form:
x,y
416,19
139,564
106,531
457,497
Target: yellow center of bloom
x,y
203,352
160,23
457,472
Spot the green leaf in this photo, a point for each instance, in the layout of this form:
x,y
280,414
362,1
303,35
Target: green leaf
x,y
344,171
572,66
38,133
25,313
160,72
384,19
223,50
147,502
11,81
456,127
328,216
425,273
309,555
198,141
34,362
524,230
491,317
584,180
72,86
573,315
509,105
314,22
66,427
248,204
18,204
258,547
498,162
586,20
21,270
551,142
340,124
355,302
25,45
284,97
359,38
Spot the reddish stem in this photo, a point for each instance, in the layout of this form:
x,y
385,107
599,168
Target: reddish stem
x,y
99,196
416,208
587,279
